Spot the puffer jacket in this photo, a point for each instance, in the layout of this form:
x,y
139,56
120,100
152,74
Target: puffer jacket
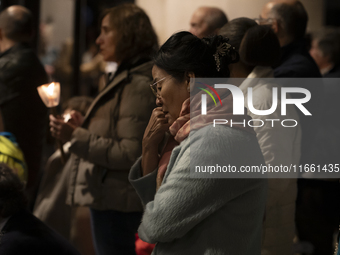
x,y
109,142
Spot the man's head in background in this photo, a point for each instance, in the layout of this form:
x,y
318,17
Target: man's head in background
x,y
288,19
206,21
12,196
325,49
16,25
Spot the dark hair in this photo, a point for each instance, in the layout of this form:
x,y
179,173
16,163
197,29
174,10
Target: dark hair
x,y
328,42
134,32
292,17
80,104
17,25
12,196
236,29
183,52
256,44
260,47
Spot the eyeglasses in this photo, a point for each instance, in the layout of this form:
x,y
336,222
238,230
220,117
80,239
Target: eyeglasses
x,y
154,86
262,21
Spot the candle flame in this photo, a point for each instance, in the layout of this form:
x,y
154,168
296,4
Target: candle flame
x,y
50,89
50,93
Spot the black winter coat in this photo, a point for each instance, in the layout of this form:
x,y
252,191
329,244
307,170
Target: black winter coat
x,y
22,110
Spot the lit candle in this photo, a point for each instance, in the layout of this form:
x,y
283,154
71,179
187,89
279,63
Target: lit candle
x,y
50,95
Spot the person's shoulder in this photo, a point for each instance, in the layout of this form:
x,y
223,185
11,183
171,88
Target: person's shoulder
x,y
142,73
22,62
297,65
20,53
220,137
264,89
20,229
24,232
221,145
143,68
140,79
215,132
28,59
24,223
334,73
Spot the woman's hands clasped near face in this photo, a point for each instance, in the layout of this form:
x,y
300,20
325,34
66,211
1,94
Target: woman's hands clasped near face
x,y
62,128
153,136
155,130
170,95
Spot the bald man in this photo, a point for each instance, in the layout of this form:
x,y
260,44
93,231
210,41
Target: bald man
x,y
288,19
206,21
22,110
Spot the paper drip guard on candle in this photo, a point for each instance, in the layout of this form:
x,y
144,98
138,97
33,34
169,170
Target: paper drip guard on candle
x,y
50,95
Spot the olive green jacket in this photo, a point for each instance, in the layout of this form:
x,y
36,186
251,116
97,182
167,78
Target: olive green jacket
x,y
110,141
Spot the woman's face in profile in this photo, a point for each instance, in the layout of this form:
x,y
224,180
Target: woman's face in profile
x,y
106,40
170,93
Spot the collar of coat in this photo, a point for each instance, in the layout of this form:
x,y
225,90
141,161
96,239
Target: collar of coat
x,y
143,69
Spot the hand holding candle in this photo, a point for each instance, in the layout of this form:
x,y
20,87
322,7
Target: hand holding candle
x,y
50,95
60,129
73,117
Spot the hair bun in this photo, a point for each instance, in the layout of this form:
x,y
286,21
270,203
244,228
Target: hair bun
x,y
214,41
183,52
223,53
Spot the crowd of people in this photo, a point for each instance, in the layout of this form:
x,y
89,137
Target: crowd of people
x,y
124,182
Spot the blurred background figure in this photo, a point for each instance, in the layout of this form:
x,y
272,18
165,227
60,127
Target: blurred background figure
x,y
20,232
109,140
326,52
288,19
48,53
206,21
63,69
21,72
318,214
50,206
12,155
92,67
259,49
